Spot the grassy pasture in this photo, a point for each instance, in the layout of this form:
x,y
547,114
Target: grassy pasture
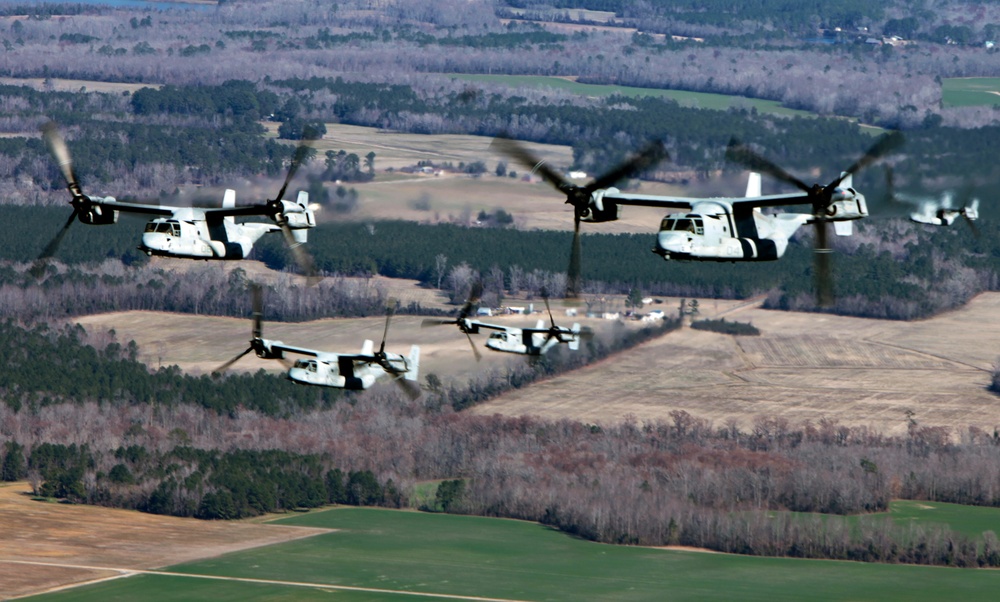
x,y
970,91
970,520
701,100
502,559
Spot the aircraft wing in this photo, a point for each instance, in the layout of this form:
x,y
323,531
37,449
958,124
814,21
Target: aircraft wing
x,y
133,207
279,346
182,212
236,211
678,202
650,200
488,326
772,200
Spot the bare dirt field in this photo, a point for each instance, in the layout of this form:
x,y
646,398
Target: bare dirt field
x,y
73,85
86,543
803,367
199,344
451,197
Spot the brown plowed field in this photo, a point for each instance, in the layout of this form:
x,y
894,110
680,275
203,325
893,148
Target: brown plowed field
x,y
803,367
95,543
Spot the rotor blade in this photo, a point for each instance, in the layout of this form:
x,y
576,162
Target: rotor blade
x,y
475,292
972,224
552,321
411,388
258,310
650,155
573,283
385,333
743,155
302,152
824,284
51,248
300,254
520,153
475,351
226,366
883,146
57,146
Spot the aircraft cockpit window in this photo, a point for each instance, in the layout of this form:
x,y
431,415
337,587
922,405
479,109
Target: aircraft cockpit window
x,y
308,365
151,227
175,229
163,227
500,336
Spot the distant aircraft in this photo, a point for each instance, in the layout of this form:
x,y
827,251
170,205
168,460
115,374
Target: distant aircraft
x,y
523,341
719,229
355,371
192,232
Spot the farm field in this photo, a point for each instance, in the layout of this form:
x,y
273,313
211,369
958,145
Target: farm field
x,y
198,344
701,100
382,552
39,541
452,197
803,367
970,91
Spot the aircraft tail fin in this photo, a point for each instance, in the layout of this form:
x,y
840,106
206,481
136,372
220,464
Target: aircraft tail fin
x,y
753,185
304,220
540,325
413,362
575,343
843,228
228,201
368,348
847,181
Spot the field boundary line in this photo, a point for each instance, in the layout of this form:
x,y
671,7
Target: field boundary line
x,y
124,572
925,353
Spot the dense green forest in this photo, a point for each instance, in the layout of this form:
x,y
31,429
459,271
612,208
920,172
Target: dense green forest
x,y
44,366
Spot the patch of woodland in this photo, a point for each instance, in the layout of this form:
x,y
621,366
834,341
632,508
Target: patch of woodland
x,y
723,327
771,489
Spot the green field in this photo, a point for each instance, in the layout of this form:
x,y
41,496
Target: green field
x,y
409,552
970,91
968,520
700,100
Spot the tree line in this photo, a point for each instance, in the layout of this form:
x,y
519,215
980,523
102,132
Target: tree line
x,y
683,480
888,269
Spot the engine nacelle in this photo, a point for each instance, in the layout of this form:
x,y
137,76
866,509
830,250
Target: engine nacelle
x,y
303,218
600,210
299,215
852,207
98,215
265,349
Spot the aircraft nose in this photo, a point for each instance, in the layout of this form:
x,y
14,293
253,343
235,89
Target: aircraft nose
x,y
673,242
154,240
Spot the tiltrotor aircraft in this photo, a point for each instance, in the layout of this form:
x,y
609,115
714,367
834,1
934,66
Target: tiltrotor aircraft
x,y
941,213
191,232
523,341
355,371
718,229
